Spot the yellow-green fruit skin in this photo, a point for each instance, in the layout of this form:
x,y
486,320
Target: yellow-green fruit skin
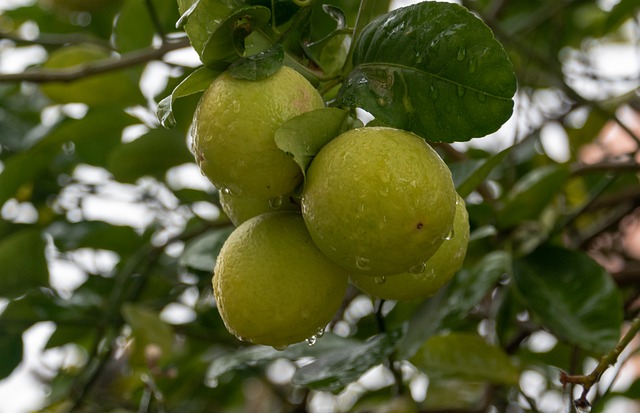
x,y
378,201
438,270
242,208
108,88
272,285
234,127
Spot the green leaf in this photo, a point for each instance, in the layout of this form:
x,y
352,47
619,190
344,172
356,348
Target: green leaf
x,y
531,194
148,328
478,172
258,66
227,40
453,302
333,370
434,69
621,12
151,154
573,296
304,135
201,253
260,355
466,357
454,395
11,350
23,263
201,18
94,234
198,81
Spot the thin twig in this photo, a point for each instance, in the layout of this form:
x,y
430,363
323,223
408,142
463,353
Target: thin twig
x,y
107,65
56,39
153,14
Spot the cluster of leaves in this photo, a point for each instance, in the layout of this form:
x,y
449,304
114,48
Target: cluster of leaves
x,y
435,69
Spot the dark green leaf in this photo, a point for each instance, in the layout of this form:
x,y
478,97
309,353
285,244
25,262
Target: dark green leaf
x,y
333,370
196,82
227,40
201,253
94,234
201,18
304,135
478,172
621,12
258,66
532,194
434,69
454,301
573,296
467,357
11,350
151,154
23,263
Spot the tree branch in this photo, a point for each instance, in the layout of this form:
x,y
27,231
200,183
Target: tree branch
x,y
107,65
56,39
589,380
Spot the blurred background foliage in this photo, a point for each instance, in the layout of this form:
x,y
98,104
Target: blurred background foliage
x,y
108,233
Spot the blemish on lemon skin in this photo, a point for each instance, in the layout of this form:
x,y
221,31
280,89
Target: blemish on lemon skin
x,y
420,225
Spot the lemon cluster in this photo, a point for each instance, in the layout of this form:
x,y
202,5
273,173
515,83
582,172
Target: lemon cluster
x,y
378,207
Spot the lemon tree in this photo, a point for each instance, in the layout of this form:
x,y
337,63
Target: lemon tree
x,y
234,127
378,201
272,285
424,281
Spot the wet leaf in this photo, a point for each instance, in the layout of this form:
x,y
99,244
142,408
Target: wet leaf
x,y
304,135
258,66
434,69
333,370
572,295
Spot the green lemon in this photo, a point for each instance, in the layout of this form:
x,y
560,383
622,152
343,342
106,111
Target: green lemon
x,y
234,126
378,201
437,271
241,208
114,87
272,285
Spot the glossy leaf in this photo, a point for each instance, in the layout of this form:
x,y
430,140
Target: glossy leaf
x,y
196,82
228,39
258,66
152,154
200,18
23,263
467,357
11,349
335,369
532,194
572,295
304,135
434,69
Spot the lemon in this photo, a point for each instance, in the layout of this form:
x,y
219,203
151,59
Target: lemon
x,y
272,285
241,208
378,201
437,271
234,127
114,87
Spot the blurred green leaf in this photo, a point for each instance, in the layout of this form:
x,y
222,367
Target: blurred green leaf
x,y
466,357
152,154
134,28
454,395
624,10
94,234
11,350
196,82
476,172
434,69
333,370
573,296
201,252
531,194
304,135
454,301
148,329
23,263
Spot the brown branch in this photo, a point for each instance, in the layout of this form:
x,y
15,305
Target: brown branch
x,y
56,39
589,380
107,65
